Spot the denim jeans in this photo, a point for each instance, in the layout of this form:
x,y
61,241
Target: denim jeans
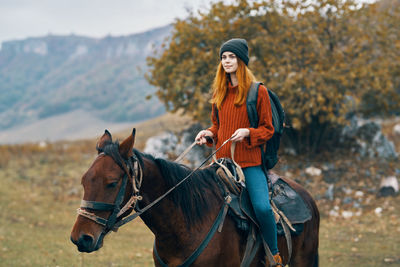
x,y
257,186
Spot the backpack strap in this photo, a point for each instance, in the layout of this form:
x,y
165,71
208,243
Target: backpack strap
x,y
252,104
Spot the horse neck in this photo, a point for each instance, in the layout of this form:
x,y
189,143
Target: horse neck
x,y
164,219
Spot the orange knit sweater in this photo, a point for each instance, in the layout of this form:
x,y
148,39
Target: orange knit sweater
x,y
231,118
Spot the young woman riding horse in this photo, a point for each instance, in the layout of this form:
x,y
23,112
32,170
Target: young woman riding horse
x,y
231,86
179,214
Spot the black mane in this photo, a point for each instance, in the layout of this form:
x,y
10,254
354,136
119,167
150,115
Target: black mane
x,y
112,149
191,196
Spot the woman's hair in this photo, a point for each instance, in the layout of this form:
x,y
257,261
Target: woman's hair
x,y
220,85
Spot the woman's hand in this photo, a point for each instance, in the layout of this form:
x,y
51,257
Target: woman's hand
x,y
240,134
201,137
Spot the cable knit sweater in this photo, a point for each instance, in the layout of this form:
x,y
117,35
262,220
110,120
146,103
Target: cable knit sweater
x,y
231,118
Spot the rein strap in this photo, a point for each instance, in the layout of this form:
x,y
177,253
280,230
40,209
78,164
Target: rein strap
x,y
133,216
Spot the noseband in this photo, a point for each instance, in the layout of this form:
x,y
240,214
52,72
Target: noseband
x,y
132,171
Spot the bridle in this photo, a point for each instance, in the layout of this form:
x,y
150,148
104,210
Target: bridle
x,y
132,171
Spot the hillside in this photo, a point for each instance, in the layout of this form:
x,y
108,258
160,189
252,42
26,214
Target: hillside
x,y
53,75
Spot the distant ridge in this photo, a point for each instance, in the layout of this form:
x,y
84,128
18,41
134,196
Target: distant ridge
x,y
49,76
74,125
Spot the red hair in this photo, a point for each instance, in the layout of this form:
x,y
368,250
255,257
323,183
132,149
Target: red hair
x,y
220,85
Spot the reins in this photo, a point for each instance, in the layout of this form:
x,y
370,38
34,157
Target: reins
x,y
138,213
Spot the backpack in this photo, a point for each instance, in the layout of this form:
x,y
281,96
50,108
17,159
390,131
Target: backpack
x,y
269,150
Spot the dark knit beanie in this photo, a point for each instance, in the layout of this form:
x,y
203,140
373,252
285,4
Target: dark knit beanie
x,y
238,47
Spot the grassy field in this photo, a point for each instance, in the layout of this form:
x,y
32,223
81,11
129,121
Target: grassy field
x,y
40,192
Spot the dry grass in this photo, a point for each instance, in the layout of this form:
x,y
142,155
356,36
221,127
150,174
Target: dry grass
x,y
40,191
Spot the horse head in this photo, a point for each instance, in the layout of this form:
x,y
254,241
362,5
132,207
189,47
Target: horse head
x,y
110,192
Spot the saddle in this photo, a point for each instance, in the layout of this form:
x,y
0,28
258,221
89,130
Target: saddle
x,y
291,211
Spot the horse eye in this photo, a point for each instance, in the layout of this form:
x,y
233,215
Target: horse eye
x,y
112,185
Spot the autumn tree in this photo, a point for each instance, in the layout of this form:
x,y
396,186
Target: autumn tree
x,y
321,57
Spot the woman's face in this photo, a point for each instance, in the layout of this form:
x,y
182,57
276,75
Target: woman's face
x,y
229,62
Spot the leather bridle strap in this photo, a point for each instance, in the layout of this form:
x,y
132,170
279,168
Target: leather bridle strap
x,y
120,197
116,211
102,206
95,205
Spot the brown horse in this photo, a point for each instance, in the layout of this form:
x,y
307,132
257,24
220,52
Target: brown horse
x,y
121,178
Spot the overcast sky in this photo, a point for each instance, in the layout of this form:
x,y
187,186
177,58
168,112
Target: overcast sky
x,y
20,19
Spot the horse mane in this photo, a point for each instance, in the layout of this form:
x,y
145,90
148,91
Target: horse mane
x,y
192,196
112,149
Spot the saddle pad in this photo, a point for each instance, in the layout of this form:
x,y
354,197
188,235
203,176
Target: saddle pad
x,y
241,211
290,202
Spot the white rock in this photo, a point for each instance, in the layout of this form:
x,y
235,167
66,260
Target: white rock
x,y
333,213
396,129
378,211
313,171
390,181
347,214
359,194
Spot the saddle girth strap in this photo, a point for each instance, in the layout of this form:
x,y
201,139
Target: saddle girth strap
x,y
252,245
285,225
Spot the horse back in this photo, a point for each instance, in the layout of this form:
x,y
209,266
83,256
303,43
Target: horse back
x,y
305,245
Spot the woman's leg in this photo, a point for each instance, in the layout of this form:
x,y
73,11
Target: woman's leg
x,y
257,186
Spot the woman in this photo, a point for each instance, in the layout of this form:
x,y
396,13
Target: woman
x,y
231,85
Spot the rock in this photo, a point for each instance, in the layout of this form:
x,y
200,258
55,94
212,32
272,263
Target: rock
x,y
170,146
347,214
196,155
389,187
378,211
347,200
329,192
333,213
365,137
396,129
328,166
359,194
160,146
347,191
313,171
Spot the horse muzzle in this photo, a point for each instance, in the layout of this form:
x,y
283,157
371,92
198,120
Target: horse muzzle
x,y
87,243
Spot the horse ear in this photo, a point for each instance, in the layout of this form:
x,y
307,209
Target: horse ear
x,y
105,138
125,148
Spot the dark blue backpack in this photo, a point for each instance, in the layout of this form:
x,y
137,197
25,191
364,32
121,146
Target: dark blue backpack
x,y
269,150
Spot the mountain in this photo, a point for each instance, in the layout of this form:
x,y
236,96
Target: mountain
x,y
55,75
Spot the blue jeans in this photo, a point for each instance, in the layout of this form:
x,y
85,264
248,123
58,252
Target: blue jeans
x,y
257,186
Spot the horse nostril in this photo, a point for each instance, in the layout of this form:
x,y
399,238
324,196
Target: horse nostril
x,y
85,243
87,239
